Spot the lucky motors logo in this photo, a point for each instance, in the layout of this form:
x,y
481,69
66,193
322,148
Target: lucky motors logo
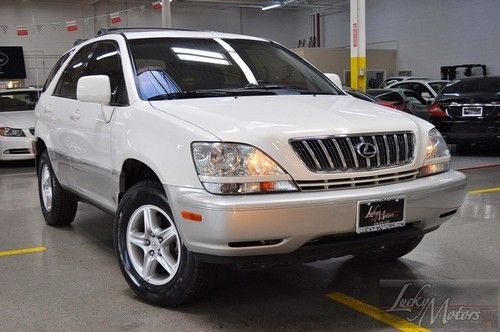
x,y
469,304
4,59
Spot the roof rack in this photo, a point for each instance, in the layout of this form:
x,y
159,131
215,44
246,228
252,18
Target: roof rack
x,y
105,31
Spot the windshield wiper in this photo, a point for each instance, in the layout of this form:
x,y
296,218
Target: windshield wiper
x,y
190,94
271,86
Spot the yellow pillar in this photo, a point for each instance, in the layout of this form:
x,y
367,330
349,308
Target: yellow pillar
x,y
358,45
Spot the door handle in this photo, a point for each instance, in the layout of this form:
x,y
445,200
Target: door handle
x,y
75,116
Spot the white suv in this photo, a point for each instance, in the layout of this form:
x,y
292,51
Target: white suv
x,y
220,148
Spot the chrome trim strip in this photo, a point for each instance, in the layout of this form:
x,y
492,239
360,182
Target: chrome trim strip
x,y
354,154
396,143
387,151
407,149
341,154
325,151
308,148
378,150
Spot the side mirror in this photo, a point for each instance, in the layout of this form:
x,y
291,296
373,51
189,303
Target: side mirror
x,y
427,96
94,89
335,79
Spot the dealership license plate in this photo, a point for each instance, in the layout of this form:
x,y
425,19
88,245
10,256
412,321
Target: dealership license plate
x,y
472,111
377,215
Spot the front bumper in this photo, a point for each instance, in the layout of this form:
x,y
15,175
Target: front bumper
x,y
276,224
16,148
468,131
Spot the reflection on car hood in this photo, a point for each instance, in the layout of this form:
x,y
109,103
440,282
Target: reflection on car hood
x,y
17,119
279,118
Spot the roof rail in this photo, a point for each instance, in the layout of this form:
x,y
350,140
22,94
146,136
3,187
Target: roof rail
x,y
107,30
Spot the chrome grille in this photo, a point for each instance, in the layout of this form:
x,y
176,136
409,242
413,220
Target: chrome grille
x,y
362,181
339,153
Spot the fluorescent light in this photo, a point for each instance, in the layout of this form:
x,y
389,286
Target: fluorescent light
x,y
197,58
182,50
276,5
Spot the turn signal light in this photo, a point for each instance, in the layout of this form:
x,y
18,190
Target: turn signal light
x,y
191,216
435,111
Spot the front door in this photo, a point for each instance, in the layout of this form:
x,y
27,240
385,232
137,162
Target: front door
x,y
92,158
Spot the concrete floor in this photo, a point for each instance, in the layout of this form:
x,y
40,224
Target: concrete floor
x,y
76,284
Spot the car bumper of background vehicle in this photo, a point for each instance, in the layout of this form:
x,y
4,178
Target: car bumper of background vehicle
x,y
16,148
469,131
274,224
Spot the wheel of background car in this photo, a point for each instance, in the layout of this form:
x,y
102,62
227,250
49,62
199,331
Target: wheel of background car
x,y
58,205
152,257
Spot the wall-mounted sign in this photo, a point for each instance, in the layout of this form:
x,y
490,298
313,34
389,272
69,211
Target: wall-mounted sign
x,y
12,62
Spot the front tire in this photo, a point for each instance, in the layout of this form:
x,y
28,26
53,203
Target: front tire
x,y
392,252
58,205
152,258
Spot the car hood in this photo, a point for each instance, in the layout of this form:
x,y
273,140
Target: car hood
x,y
17,119
246,119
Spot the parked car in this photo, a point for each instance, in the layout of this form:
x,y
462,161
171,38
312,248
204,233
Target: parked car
x,y
17,123
402,99
427,89
393,79
468,111
220,148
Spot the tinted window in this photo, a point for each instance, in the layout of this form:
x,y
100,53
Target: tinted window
x,y
484,85
54,70
172,65
106,61
414,98
18,101
66,87
390,96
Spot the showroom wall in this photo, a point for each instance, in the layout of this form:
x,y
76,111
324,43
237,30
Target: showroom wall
x,y
42,49
427,33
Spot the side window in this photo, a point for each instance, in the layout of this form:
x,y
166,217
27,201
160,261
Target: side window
x,y
66,87
54,70
414,98
106,61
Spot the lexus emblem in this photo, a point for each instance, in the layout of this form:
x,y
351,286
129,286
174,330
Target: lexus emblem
x,y
366,150
3,59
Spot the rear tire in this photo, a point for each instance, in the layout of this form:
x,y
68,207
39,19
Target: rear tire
x,y
392,252
152,257
58,205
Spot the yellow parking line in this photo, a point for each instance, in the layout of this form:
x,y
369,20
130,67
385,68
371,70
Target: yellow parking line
x,y
380,315
22,251
482,191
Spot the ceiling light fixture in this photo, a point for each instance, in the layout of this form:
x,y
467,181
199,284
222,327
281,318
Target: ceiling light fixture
x,y
276,5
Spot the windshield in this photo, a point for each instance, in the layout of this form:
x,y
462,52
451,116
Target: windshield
x,y
438,86
18,101
188,68
482,85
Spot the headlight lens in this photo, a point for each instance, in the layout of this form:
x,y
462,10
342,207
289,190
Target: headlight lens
x,y
10,132
231,168
437,155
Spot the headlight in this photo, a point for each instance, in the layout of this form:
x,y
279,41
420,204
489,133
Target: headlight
x,y
231,168
10,132
437,155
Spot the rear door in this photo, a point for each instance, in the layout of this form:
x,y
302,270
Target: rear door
x,y
92,156
61,108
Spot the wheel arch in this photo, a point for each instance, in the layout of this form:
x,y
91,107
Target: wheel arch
x,y
134,171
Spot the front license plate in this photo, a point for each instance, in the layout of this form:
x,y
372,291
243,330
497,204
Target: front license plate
x,y
472,111
377,215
